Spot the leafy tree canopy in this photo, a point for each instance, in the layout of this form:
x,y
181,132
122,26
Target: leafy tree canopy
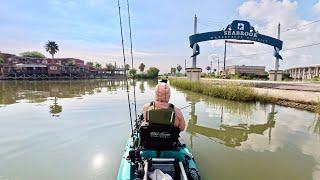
x,y
132,72
153,72
89,63
1,59
33,54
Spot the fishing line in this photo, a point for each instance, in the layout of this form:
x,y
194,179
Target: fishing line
x,y
124,66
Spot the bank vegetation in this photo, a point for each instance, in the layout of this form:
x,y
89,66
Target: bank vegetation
x,y
239,93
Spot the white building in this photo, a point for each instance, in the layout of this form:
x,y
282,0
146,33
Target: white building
x,y
302,73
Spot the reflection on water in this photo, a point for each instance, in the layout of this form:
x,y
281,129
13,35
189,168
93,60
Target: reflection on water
x,y
229,135
252,131
38,91
81,128
55,109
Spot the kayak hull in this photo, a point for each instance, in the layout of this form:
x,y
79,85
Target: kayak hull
x,y
126,169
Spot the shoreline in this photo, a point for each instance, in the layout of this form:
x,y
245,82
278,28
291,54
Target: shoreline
x,y
272,93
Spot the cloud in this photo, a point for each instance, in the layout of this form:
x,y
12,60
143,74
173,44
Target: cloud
x,y
317,7
295,31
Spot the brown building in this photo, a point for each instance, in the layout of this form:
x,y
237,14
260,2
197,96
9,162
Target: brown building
x,y
16,67
246,70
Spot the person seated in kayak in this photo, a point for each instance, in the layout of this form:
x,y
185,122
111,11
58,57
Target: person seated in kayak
x,y
161,101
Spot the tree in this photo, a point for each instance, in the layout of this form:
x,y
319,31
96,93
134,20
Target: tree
x,y
52,48
127,66
90,63
179,68
1,59
110,68
141,67
132,72
33,54
173,70
97,65
208,68
153,72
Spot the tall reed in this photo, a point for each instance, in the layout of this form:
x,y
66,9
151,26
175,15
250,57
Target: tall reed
x,y
229,92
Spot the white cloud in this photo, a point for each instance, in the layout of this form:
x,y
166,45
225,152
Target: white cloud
x,y
317,7
265,15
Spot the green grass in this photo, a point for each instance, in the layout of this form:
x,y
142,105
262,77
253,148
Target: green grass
x,y
228,92
317,110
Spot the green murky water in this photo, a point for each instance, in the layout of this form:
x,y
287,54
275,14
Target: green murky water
x,y
78,130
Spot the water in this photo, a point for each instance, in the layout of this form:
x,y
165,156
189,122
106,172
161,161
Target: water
x,y
78,130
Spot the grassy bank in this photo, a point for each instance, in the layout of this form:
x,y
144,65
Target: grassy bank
x,y
228,92
240,93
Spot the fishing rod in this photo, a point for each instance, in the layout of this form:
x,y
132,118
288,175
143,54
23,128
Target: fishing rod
x,y
131,52
124,66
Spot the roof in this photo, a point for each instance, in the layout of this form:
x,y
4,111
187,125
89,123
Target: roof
x,y
30,65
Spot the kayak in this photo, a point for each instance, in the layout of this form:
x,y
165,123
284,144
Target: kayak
x,y
140,162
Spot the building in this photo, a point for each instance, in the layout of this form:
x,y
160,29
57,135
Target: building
x,y
303,73
16,67
246,70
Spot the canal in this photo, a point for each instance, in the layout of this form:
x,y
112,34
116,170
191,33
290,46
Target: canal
x,y
78,130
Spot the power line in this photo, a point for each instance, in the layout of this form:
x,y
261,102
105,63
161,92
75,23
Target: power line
x,y
266,52
298,26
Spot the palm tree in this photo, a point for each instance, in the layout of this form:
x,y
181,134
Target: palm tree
x,y
110,68
127,66
98,65
52,48
90,63
141,67
173,71
208,68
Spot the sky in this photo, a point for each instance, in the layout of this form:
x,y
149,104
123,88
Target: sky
x,y
89,30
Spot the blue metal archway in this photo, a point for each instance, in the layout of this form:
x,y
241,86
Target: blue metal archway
x,y
239,30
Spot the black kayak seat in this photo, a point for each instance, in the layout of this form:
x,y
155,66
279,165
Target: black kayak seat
x,y
159,137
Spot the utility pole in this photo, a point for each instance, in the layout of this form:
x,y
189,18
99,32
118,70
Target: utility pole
x,y
276,63
194,58
218,66
210,67
225,54
185,65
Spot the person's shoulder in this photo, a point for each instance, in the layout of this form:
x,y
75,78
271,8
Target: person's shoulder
x,y
146,106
